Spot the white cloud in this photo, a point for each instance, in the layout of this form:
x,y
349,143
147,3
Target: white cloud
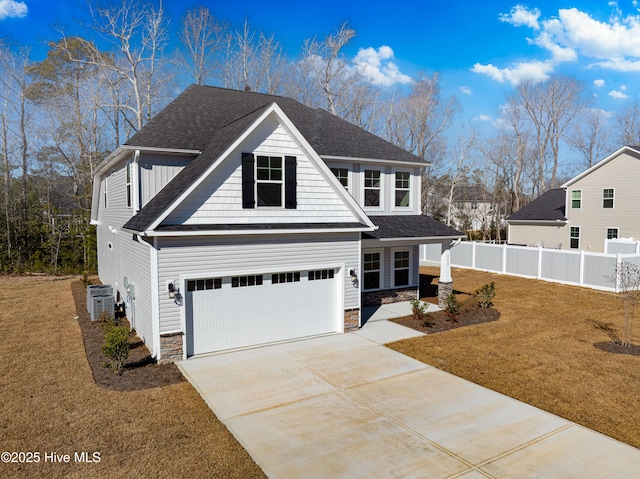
x,y
465,90
521,15
617,94
377,67
598,83
613,44
12,9
485,118
534,70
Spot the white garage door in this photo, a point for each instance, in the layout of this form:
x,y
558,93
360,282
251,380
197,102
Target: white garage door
x,y
234,312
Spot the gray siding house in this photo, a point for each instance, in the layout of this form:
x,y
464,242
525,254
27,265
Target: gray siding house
x,y
598,204
235,218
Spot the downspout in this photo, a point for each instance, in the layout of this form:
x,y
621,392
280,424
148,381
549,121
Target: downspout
x,y
155,299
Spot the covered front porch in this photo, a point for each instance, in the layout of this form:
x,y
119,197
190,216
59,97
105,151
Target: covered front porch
x,y
391,258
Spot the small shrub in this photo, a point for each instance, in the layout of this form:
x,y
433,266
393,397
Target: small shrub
x,y
116,346
452,307
485,295
85,278
105,319
419,309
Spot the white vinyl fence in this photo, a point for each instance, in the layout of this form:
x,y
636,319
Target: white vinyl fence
x,y
579,268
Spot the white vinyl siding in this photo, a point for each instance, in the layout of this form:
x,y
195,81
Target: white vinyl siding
x,y
156,171
113,187
209,256
131,259
219,198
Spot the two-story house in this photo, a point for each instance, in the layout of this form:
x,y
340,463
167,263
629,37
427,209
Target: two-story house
x,y
598,204
235,218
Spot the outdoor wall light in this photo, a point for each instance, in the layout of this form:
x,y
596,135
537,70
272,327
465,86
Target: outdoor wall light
x,y
354,276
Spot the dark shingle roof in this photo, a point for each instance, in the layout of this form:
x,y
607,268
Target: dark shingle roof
x,y
409,226
193,118
209,119
550,206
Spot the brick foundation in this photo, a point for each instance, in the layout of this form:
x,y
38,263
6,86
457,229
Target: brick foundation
x,y
170,348
351,319
444,290
376,298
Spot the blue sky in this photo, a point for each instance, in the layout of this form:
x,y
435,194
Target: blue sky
x,y
480,49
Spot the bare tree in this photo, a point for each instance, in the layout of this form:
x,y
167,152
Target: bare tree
x,y
138,33
590,137
462,155
627,280
551,107
202,38
252,61
628,120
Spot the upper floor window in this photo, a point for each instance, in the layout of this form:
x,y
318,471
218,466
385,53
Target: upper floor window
x,y
607,198
612,233
269,180
343,176
128,183
576,198
372,187
403,189
106,188
574,237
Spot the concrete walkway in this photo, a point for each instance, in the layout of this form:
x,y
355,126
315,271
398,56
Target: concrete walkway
x,y
344,406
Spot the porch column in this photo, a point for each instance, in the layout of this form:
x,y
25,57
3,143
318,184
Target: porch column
x,y
445,282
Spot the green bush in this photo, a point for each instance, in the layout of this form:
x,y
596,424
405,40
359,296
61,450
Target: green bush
x,y
452,307
485,295
116,346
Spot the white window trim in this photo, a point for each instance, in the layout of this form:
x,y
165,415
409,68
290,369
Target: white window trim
x,y
393,202
392,262
128,177
571,237
106,193
349,176
614,199
280,182
571,199
382,258
380,206
606,232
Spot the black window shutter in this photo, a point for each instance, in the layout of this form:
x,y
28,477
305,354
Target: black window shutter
x,y
248,180
290,182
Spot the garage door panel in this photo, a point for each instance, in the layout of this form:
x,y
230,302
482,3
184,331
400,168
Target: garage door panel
x,y
230,317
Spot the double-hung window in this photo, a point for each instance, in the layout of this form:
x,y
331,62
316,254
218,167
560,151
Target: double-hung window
x,y
612,233
343,176
269,180
575,237
401,266
128,183
372,270
372,184
403,188
576,199
607,198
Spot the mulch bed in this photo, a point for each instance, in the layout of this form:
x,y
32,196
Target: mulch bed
x,y
141,371
470,314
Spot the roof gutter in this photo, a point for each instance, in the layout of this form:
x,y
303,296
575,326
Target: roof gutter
x,y
418,163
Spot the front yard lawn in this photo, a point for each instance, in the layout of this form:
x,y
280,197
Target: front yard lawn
x,y
548,349
50,404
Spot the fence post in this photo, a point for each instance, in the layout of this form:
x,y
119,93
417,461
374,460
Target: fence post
x,y
473,255
618,270
581,270
539,261
504,258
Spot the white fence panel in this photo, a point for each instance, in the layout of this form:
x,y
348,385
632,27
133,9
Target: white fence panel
x,y
522,261
580,268
621,246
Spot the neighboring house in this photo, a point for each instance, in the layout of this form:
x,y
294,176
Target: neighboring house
x,y
472,208
598,204
235,218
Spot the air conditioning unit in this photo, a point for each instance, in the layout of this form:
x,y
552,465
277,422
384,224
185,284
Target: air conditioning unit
x,y
97,290
99,304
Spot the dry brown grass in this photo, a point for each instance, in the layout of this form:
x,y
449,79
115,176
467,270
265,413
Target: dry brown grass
x,y
541,351
50,403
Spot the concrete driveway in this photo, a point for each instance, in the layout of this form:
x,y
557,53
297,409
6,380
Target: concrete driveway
x,y
344,406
